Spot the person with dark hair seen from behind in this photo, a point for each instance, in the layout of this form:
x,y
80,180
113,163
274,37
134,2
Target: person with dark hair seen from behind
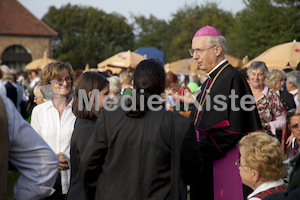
x,y
143,153
220,129
261,164
54,119
84,124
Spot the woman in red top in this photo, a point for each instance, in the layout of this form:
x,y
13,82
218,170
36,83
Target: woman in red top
x,y
180,93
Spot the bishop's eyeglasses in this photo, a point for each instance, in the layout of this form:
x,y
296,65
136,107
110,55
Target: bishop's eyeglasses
x,y
199,51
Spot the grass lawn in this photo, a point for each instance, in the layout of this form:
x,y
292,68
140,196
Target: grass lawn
x,y
11,179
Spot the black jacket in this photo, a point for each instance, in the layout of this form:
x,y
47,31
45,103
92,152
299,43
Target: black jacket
x,y
11,92
82,132
131,157
287,99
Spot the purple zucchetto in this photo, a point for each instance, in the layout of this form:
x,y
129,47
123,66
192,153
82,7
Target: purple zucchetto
x,y
207,30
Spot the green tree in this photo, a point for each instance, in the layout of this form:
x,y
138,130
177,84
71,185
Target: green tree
x,y
263,24
187,21
88,35
149,31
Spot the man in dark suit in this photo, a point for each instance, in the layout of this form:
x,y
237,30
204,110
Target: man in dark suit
x,y
11,91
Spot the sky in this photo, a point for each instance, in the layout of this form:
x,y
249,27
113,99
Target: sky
x,y
161,9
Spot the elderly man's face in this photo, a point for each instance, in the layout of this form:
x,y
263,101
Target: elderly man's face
x,y
204,53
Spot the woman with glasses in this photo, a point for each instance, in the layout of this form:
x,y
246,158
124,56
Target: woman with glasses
x,y
269,105
261,164
293,126
54,119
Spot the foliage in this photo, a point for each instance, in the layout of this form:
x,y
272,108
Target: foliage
x,y
261,25
12,177
149,32
187,21
87,35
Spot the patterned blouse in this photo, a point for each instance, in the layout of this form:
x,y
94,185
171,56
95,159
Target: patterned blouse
x,y
269,107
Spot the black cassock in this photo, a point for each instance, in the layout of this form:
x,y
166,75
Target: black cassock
x,y
131,158
220,130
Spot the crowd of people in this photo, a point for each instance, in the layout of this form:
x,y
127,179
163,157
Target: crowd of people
x,y
151,134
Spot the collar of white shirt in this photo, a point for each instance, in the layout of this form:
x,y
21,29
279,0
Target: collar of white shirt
x,y
266,186
50,105
211,71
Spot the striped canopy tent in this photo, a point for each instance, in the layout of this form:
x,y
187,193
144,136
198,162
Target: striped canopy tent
x,y
122,60
282,56
40,63
188,65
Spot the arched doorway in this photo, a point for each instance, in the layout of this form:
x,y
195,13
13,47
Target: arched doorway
x,y
15,57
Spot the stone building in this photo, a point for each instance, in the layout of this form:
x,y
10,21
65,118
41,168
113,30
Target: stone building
x,y
23,37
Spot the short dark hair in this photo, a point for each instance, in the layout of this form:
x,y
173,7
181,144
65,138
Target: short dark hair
x,y
87,81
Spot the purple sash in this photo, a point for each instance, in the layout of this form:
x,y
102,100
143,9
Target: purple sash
x,y
226,177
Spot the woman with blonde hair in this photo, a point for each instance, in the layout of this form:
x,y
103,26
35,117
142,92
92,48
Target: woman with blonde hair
x,y
275,81
38,95
261,164
114,91
54,119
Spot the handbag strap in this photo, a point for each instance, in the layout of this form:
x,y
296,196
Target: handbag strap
x,y
3,148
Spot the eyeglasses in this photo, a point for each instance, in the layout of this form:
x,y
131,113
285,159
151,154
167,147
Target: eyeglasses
x,y
238,163
199,51
61,80
295,126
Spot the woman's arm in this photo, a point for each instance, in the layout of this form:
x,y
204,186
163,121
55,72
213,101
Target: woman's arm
x,y
278,123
